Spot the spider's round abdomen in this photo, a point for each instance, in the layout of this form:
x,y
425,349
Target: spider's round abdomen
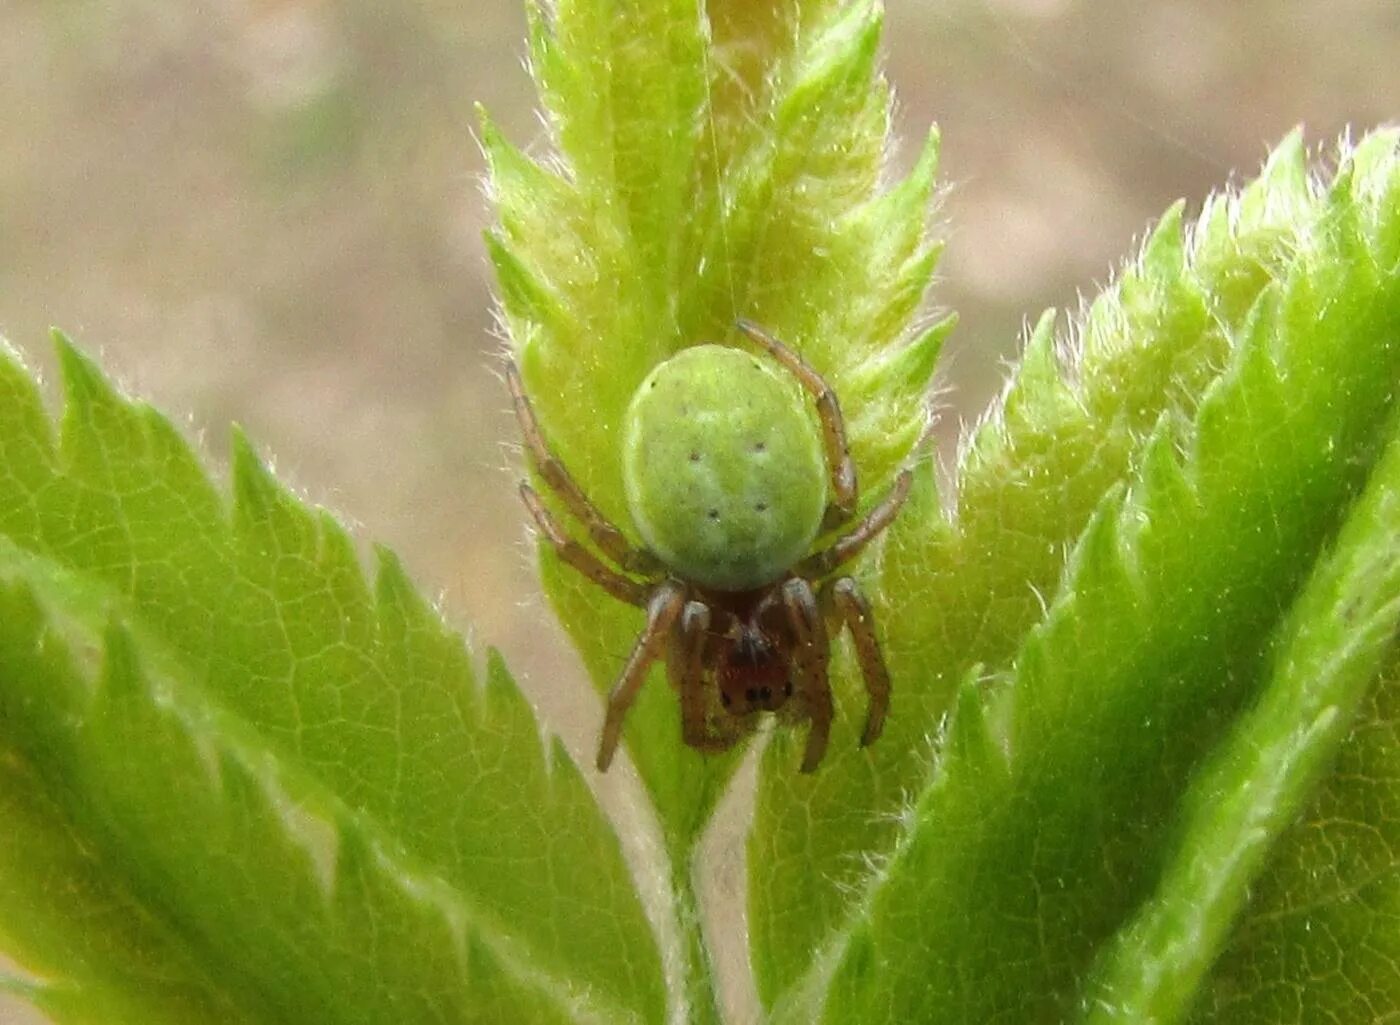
x,y
723,466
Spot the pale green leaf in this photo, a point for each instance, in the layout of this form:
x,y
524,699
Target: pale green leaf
x,y
1321,670
309,801
712,161
1074,422
1015,866
1318,939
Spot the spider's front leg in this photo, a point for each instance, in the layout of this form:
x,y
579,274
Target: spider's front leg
x,y
663,607
844,597
687,669
811,657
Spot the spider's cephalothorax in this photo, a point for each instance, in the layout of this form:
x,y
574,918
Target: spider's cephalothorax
x,y
729,482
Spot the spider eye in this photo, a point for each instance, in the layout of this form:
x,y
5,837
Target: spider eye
x,y
751,694
724,698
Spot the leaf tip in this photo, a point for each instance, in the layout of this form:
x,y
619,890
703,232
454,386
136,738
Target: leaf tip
x,y
253,486
970,737
911,367
393,588
521,292
1164,253
925,170
489,137
83,383
1037,377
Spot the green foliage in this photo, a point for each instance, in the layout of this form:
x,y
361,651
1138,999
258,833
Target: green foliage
x,y
1142,756
710,162
1321,665
1043,833
686,191
1145,356
252,786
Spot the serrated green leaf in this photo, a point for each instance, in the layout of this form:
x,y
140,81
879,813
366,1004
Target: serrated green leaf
x,y
712,161
1157,638
1329,652
303,783
1145,354
726,161
1124,653
1317,940
123,965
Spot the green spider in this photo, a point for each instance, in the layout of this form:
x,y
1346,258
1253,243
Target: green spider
x,y
729,485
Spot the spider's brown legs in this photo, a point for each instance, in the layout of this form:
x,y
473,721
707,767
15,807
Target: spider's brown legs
x,y
579,557
688,673
811,656
604,534
838,453
846,597
849,545
662,609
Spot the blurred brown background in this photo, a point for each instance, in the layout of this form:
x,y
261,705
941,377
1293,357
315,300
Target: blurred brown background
x,y
267,211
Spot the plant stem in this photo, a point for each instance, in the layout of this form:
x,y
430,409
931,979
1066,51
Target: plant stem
x,y
701,1000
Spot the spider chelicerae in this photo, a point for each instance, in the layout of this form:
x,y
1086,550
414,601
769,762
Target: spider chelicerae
x,y
729,484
